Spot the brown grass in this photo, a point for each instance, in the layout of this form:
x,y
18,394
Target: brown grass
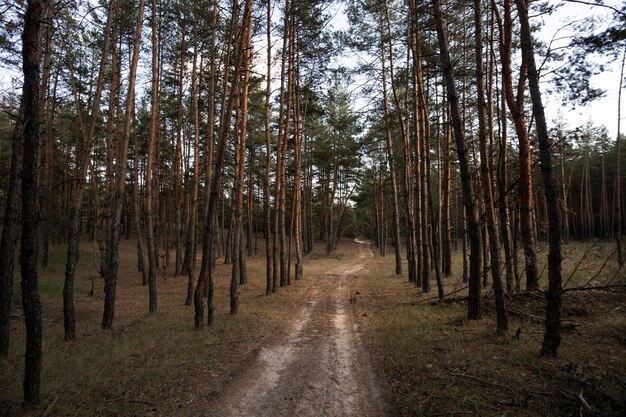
x,y
149,364
431,361
428,358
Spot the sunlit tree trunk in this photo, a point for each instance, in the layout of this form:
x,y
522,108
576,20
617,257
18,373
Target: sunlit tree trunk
x,y
552,336
390,158
407,177
515,102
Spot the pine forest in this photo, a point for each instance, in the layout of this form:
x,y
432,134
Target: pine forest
x,y
312,208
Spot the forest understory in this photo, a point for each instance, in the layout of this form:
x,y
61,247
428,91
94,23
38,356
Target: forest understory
x,y
427,358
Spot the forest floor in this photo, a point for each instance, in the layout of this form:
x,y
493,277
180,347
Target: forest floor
x,y
351,338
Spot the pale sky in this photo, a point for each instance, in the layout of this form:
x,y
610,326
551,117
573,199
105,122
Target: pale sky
x,y
602,111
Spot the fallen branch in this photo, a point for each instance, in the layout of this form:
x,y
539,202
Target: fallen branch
x,y
580,262
482,381
596,287
523,313
606,261
492,384
50,407
582,400
445,295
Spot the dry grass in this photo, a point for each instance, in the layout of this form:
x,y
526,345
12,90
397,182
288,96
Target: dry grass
x,y
428,358
431,361
149,364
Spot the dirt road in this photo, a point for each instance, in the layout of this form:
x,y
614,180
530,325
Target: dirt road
x,y
320,368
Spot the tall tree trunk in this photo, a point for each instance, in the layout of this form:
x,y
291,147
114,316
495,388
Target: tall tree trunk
x,y
297,203
618,170
492,228
190,245
10,232
150,212
178,180
240,157
408,182
474,310
445,200
390,159
29,106
141,266
515,102
83,153
268,157
119,186
552,336
206,270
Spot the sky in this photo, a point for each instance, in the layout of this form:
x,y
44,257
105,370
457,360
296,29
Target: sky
x,y
602,111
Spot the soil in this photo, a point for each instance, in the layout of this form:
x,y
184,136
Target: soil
x,y
320,368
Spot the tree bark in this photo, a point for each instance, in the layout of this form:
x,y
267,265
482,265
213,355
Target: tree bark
x,y
552,336
117,191
474,310
31,304
268,157
83,153
515,102
618,170
206,269
150,212
492,229
390,160
240,157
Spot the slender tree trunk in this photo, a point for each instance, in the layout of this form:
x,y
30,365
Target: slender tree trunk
x,y
445,201
474,310
141,266
407,183
492,229
618,170
117,197
297,212
240,156
190,246
515,103
216,180
150,212
268,157
178,180
10,232
390,159
83,153
552,336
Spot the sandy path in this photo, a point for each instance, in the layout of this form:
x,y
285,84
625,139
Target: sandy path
x,y
320,368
